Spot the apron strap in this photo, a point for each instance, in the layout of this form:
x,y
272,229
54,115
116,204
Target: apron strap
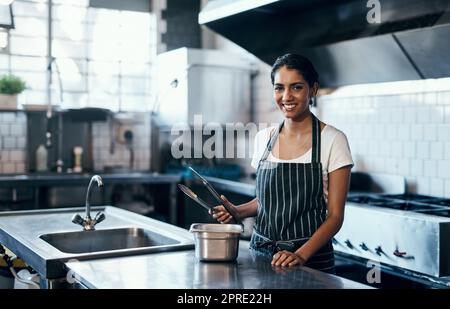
x,y
271,142
315,155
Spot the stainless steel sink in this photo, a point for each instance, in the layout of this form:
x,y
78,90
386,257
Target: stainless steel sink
x,y
106,240
47,239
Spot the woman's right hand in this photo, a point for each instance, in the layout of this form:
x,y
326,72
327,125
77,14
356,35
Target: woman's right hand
x,y
220,213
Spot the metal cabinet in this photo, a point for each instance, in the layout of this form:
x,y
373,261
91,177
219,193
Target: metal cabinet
x,y
210,85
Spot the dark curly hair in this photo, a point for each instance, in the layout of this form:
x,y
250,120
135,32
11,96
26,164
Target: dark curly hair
x,y
299,63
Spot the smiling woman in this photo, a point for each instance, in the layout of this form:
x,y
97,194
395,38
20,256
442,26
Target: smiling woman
x,y
303,170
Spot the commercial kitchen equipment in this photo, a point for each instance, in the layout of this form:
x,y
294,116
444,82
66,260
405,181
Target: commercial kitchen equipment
x,y
408,234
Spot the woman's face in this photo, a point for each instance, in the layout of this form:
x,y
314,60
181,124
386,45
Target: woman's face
x,y
291,92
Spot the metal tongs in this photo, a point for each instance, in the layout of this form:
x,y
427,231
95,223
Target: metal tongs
x,y
214,193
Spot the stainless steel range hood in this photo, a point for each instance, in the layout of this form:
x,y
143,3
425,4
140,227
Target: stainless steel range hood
x,y
411,42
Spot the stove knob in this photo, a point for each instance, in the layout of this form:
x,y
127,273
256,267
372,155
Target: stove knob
x,y
399,254
349,244
363,246
378,250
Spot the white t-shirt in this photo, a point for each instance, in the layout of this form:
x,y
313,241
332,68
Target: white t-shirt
x,y
334,152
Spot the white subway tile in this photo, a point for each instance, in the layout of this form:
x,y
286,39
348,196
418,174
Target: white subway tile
x,y
8,117
447,188
17,130
410,150
423,150
381,116
396,149
366,131
444,132
416,167
144,165
391,132
9,168
100,142
378,133
138,154
390,166
95,129
430,132
423,185
21,142
4,155
447,114
437,150
430,168
417,99
383,148
21,118
409,115
437,114
9,143
104,154
417,131
20,167
443,98
423,114
447,151
430,98
403,132
436,187
17,156
396,115
443,168
403,166
4,129
380,164
376,148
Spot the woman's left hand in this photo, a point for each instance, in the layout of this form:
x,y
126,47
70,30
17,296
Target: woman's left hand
x,y
287,259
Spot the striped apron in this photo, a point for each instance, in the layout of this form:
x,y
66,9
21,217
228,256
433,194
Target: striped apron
x,y
291,204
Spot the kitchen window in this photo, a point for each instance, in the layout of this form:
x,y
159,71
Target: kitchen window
x,y
105,56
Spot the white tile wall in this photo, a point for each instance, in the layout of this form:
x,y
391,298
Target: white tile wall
x,y
406,134
120,157
13,131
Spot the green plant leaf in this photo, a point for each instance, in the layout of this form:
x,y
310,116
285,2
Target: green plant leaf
x,y
11,84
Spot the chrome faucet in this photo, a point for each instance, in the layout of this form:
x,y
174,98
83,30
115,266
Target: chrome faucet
x,y
88,223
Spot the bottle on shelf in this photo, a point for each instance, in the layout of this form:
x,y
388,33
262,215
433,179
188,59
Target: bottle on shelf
x,y
41,158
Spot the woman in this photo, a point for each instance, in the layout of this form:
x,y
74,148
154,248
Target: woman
x,y
303,173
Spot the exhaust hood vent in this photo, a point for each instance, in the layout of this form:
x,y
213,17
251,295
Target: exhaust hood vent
x,y
410,42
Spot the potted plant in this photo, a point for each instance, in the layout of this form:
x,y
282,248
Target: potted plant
x,y
10,86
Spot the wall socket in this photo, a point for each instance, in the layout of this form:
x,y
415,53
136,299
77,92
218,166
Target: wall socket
x,y
121,131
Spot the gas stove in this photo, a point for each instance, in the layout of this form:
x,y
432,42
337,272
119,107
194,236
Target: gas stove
x,y
411,202
408,231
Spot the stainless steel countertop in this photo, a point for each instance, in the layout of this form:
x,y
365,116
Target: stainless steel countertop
x,y
21,232
181,270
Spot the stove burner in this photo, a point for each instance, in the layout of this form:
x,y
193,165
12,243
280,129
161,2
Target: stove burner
x,y
368,199
443,212
408,206
409,202
420,198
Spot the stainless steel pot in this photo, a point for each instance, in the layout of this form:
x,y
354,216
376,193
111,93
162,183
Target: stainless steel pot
x,y
216,242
